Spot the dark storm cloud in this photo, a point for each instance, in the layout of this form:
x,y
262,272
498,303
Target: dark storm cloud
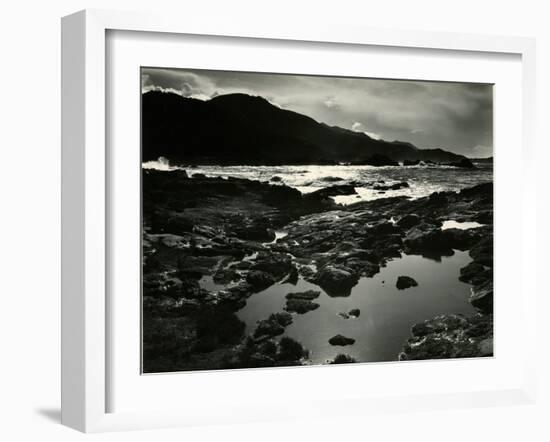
x,y
453,116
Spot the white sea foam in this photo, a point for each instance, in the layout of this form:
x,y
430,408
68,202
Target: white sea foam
x,y
422,180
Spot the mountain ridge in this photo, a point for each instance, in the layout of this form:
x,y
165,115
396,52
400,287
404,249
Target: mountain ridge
x,y
249,130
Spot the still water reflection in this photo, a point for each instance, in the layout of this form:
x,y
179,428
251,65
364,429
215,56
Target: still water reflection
x,y
387,313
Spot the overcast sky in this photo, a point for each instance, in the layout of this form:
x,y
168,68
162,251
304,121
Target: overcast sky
x,y
453,116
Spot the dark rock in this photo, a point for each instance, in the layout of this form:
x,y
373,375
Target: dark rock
x,y
343,189
482,297
376,160
461,239
276,179
450,336
243,265
408,221
274,325
257,232
475,273
425,238
362,267
331,179
292,277
484,217
308,295
259,280
226,276
486,347
336,280
307,273
355,312
290,350
341,340
484,190
343,359
411,162
277,265
404,282
438,199
300,306
384,228
464,163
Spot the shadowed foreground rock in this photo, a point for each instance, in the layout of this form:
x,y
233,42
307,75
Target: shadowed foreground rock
x,y
450,336
300,306
343,359
404,282
341,340
273,326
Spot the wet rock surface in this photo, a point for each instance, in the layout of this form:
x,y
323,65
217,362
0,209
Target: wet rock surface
x,y
308,295
273,326
341,340
352,314
302,302
300,306
208,245
450,336
396,186
404,282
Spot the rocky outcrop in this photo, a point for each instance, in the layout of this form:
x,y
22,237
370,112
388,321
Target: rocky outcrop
x,y
341,340
300,306
259,280
237,129
352,314
207,248
376,160
292,277
404,282
427,239
395,186
344,189
277,265
343,359
464,163
273,326
336,280
266,353
482,297
408,221
308,295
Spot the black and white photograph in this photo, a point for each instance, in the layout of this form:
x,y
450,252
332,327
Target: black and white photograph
x,y
298,220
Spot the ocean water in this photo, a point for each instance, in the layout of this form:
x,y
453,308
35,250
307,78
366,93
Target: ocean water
x,y
423,180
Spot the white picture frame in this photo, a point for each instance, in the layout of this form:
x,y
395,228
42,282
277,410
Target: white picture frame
x,y
85,202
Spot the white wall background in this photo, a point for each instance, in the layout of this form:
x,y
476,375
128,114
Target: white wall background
x,y
30,220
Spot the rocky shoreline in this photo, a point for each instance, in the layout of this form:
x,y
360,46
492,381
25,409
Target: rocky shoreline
x,y
210,243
